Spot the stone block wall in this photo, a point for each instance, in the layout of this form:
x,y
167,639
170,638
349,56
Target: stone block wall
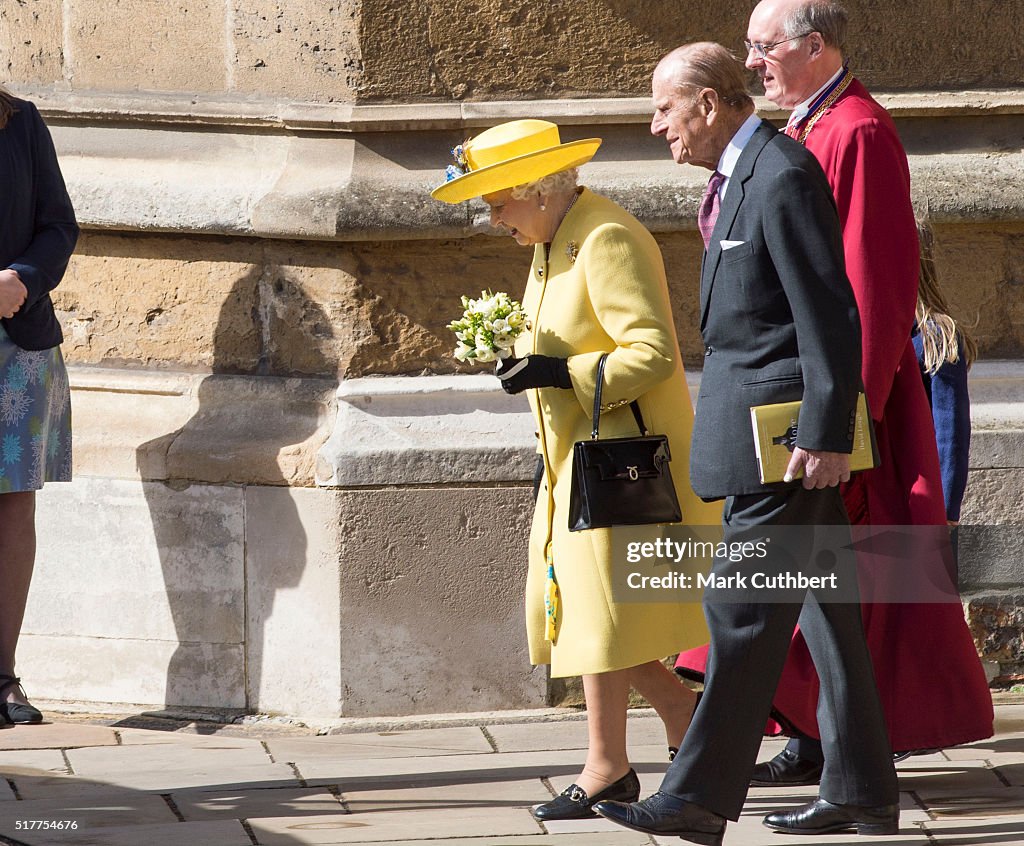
x,y
300,49
288,495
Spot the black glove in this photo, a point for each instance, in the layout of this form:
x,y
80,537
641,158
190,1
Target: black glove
x,y
534,371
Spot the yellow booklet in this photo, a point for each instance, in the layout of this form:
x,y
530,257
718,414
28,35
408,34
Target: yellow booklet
x,y
775,428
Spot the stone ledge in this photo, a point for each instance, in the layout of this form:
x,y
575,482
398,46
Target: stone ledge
x,y
427,430
997,415
274,168
377,186
193,427
463,430
276,114
376,431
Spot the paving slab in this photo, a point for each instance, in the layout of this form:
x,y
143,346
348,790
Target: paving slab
x,y
389,826
430,787
43,785
57,736
953,775
447,769
620,838
765,800
98,811
227,833
594,825
188,739
1001,831
521,793
32,761
1012,773
937,757
89,760
245,803
1005,744
539,737
172,767
911,812
1009,719
970,804
404,744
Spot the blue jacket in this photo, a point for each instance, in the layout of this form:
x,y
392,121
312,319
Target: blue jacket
x,y
37,224
951,413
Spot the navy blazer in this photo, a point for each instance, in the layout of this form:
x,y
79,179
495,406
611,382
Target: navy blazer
x,y
778,316
37,224
951,414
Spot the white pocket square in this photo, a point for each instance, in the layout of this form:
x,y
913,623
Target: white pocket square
x,y
728,245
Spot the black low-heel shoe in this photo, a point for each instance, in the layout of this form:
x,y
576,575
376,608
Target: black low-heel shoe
x,y
574,804
15,712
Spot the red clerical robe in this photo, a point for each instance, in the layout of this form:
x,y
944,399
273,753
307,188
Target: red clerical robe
x,y
930,680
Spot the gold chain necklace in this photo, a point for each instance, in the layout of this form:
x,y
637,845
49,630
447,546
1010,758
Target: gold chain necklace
x,y
824,107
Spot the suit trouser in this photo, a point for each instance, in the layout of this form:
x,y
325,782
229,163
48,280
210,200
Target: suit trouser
x,y
749,643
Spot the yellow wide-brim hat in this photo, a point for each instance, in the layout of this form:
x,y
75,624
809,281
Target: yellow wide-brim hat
x,y
511,154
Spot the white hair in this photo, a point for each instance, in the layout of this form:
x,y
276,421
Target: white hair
x,y
563,182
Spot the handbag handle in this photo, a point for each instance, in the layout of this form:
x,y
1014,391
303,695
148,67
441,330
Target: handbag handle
x,y
634,405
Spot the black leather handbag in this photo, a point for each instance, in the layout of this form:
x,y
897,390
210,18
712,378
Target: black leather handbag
x,y
621,481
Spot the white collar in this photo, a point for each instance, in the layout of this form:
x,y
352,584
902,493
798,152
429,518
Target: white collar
x,y
800,112
731,153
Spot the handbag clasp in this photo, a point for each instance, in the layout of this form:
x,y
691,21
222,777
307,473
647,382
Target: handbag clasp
x,y
633,475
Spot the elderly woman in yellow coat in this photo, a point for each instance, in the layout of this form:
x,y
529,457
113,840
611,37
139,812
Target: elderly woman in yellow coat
x,y
596,286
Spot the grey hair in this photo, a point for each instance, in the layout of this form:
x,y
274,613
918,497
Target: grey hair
x,y
822,16
705,64
563,182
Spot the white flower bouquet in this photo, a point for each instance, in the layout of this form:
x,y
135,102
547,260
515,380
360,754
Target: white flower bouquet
x,y
488,327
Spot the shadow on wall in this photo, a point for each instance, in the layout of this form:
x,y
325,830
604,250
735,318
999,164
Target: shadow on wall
x,y
196,482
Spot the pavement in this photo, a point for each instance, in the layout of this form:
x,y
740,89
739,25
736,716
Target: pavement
x,y
151,781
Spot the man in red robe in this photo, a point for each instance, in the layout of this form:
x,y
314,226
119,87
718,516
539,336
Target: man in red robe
x,y
929,677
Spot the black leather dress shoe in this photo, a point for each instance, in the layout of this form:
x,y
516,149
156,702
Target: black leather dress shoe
x,y
821,817
787,769
667,815
574,804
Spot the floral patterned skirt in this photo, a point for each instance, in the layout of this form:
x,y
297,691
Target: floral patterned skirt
x,y
35,417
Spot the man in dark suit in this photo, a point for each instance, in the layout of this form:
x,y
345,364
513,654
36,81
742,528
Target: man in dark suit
x,y
779,323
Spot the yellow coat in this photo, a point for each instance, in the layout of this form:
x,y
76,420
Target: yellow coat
x,y
601,289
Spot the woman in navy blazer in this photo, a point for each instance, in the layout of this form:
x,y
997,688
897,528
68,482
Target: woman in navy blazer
x,y
37,236
945,352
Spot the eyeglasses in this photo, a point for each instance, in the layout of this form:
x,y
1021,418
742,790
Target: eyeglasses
x,y
763,50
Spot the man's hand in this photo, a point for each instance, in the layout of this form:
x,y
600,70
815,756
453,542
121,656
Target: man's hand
x,y
534,371
12,292
821,469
